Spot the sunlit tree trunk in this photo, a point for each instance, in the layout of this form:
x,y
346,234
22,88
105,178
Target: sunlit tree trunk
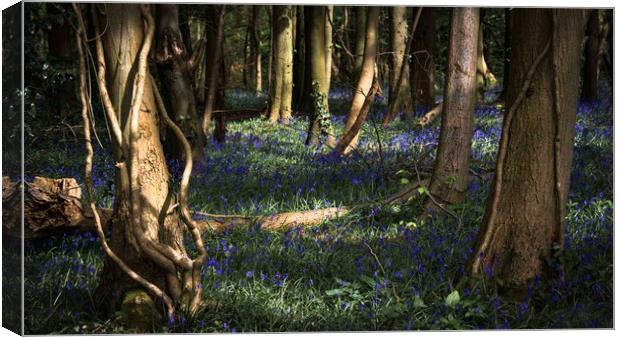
x,y
423,59
317,90
255,44
176,68
275,88
158,225
450,174
329,45
366,76
282,79
524,221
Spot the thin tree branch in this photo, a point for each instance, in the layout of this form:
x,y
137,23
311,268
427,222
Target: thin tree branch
x,y
183,198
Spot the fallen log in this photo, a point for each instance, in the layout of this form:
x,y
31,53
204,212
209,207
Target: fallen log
x,y
51,206
54,206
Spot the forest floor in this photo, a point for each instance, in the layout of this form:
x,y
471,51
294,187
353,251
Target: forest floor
x,y
372,269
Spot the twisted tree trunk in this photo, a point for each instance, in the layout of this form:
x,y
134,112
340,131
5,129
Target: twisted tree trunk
x,y
146,250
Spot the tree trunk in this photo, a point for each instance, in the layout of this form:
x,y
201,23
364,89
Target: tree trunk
x,y
507,46
246,58
255,44
423,59
345,62
484,76
299,60
282,78
286,52
172,58
197,33
154,195
215,37
329,46
316,48
271,43
610,50
589,90
525,213
400,93
275,88
360,36
366,76
451,172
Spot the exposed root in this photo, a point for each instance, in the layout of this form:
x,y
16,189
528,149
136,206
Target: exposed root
x,y
150,287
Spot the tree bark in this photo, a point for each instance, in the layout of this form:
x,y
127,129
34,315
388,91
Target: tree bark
x,y
451,172
275,88
215,36
524,218
316,54
507,46
255,44
172,58
329,46
484,76
121,58
591,64
399,97
286,50
271,43
360,38
299,60
366,76
423,59
282,79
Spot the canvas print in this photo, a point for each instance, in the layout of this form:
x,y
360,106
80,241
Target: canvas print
x,y
201,168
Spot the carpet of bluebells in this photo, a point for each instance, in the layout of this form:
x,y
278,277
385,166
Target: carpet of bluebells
x,y
374,269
